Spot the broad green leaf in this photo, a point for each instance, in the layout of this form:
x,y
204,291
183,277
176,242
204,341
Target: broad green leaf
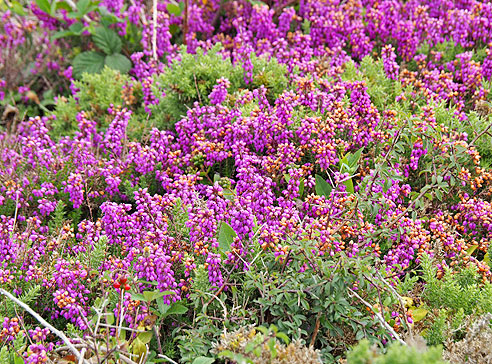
x,y
138,297
350,185
118,62
344,165
173,29
82,6
63,5
153,295
249,347
173,9
145,337
17,8
110,318
176,309
90,62
139,348
44,5
162,307
226,237
77,28
322,187
418,314
108,41
62,34
284,337
203,360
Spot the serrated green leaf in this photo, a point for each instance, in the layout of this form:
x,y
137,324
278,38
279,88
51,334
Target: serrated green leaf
x,y
108,41
322,187
82,6
118,62
226,237
90,62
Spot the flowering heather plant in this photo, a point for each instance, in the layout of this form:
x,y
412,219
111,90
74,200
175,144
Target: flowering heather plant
x,y
172,171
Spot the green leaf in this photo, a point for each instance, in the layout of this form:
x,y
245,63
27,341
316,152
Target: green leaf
x,y
107,40
63,5
118,62
284,337
249,347
471,249
177,309
90,62
138,297
322,187
138,348
77,28
271,346
226,237
110,318
173,29
83,6
353,159
173,9
153,295
44,5
203,360
62,34
17,8
418,314
350,185
145,337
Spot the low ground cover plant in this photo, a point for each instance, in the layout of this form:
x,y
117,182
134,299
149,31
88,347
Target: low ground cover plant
x,y
245,182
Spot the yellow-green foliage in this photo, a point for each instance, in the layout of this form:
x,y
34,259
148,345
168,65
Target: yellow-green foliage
x,y
191,79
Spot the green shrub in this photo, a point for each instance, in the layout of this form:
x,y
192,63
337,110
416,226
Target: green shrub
x,y
192,78
96,92
363,353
